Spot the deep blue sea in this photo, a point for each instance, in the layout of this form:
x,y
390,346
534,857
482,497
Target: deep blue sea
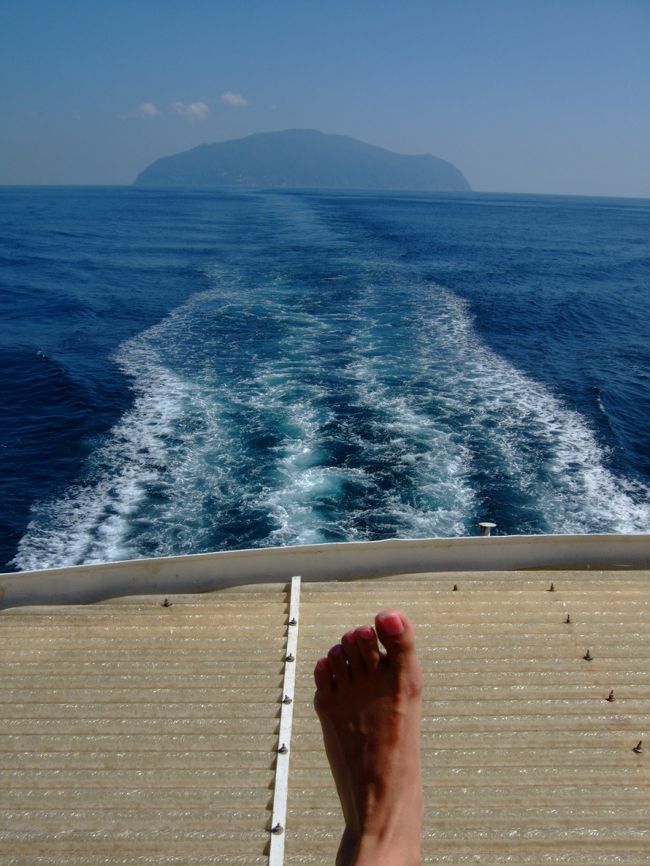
x,y
193,370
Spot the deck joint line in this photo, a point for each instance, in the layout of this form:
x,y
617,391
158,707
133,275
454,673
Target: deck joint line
x,y
281,787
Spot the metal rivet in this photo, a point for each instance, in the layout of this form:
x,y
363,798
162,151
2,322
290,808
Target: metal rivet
x,y
551,588
610,697
638,748
277,829
290,658
587,656
293,621
286,699
166,603
568,618
455,587
283,749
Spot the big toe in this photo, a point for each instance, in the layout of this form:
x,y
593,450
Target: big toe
x,y
396,634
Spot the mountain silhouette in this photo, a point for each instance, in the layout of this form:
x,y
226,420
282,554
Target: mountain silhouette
x,y
302,158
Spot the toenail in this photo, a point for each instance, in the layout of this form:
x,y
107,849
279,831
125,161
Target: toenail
x,y
336,650
364,632
392,624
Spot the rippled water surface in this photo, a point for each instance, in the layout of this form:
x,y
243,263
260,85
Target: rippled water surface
x,y
186,371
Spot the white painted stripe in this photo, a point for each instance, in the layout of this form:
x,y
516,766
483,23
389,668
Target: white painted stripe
x,y
281,792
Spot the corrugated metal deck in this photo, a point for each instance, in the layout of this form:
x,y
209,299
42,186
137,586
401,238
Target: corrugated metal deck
x,y
133,733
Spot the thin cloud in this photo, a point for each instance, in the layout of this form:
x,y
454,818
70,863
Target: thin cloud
x,y
191,110
234,99
145,109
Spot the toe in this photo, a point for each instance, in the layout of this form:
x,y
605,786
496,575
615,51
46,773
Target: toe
x,y
353,654
366,641
339,664
396,634
323,677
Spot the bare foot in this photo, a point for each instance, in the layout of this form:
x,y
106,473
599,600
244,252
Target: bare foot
x,y
369,706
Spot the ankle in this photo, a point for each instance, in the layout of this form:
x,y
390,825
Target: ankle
x,y
375,851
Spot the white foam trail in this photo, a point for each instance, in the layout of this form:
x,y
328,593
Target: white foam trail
x,y
91,522
179,463
172,468
305,501
286,389
572,488
303,482
471,409
148,483
442,497
437,498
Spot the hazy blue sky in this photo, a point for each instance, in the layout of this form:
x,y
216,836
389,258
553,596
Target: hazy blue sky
x,y
521,95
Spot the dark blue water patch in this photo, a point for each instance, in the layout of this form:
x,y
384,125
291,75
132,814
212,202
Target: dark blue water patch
x,y
623,407
48,425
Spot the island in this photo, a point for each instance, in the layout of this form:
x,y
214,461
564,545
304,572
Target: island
x,y
302,159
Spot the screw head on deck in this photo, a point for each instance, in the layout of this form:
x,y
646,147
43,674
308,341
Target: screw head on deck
x,y
293,621
588,656
455,587
290,658
551,588
638,748
277,829
610,697
283,749
286,699
568,618
166,603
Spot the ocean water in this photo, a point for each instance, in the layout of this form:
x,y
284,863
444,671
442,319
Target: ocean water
x,y
193,370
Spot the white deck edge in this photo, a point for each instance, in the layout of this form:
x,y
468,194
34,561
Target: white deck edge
x,y
281,790
205,572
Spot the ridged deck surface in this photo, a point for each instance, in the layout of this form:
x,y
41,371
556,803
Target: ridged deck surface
x,y
133,733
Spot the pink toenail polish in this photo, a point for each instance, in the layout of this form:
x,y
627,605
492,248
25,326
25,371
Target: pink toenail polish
x,y
392,624
365,632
